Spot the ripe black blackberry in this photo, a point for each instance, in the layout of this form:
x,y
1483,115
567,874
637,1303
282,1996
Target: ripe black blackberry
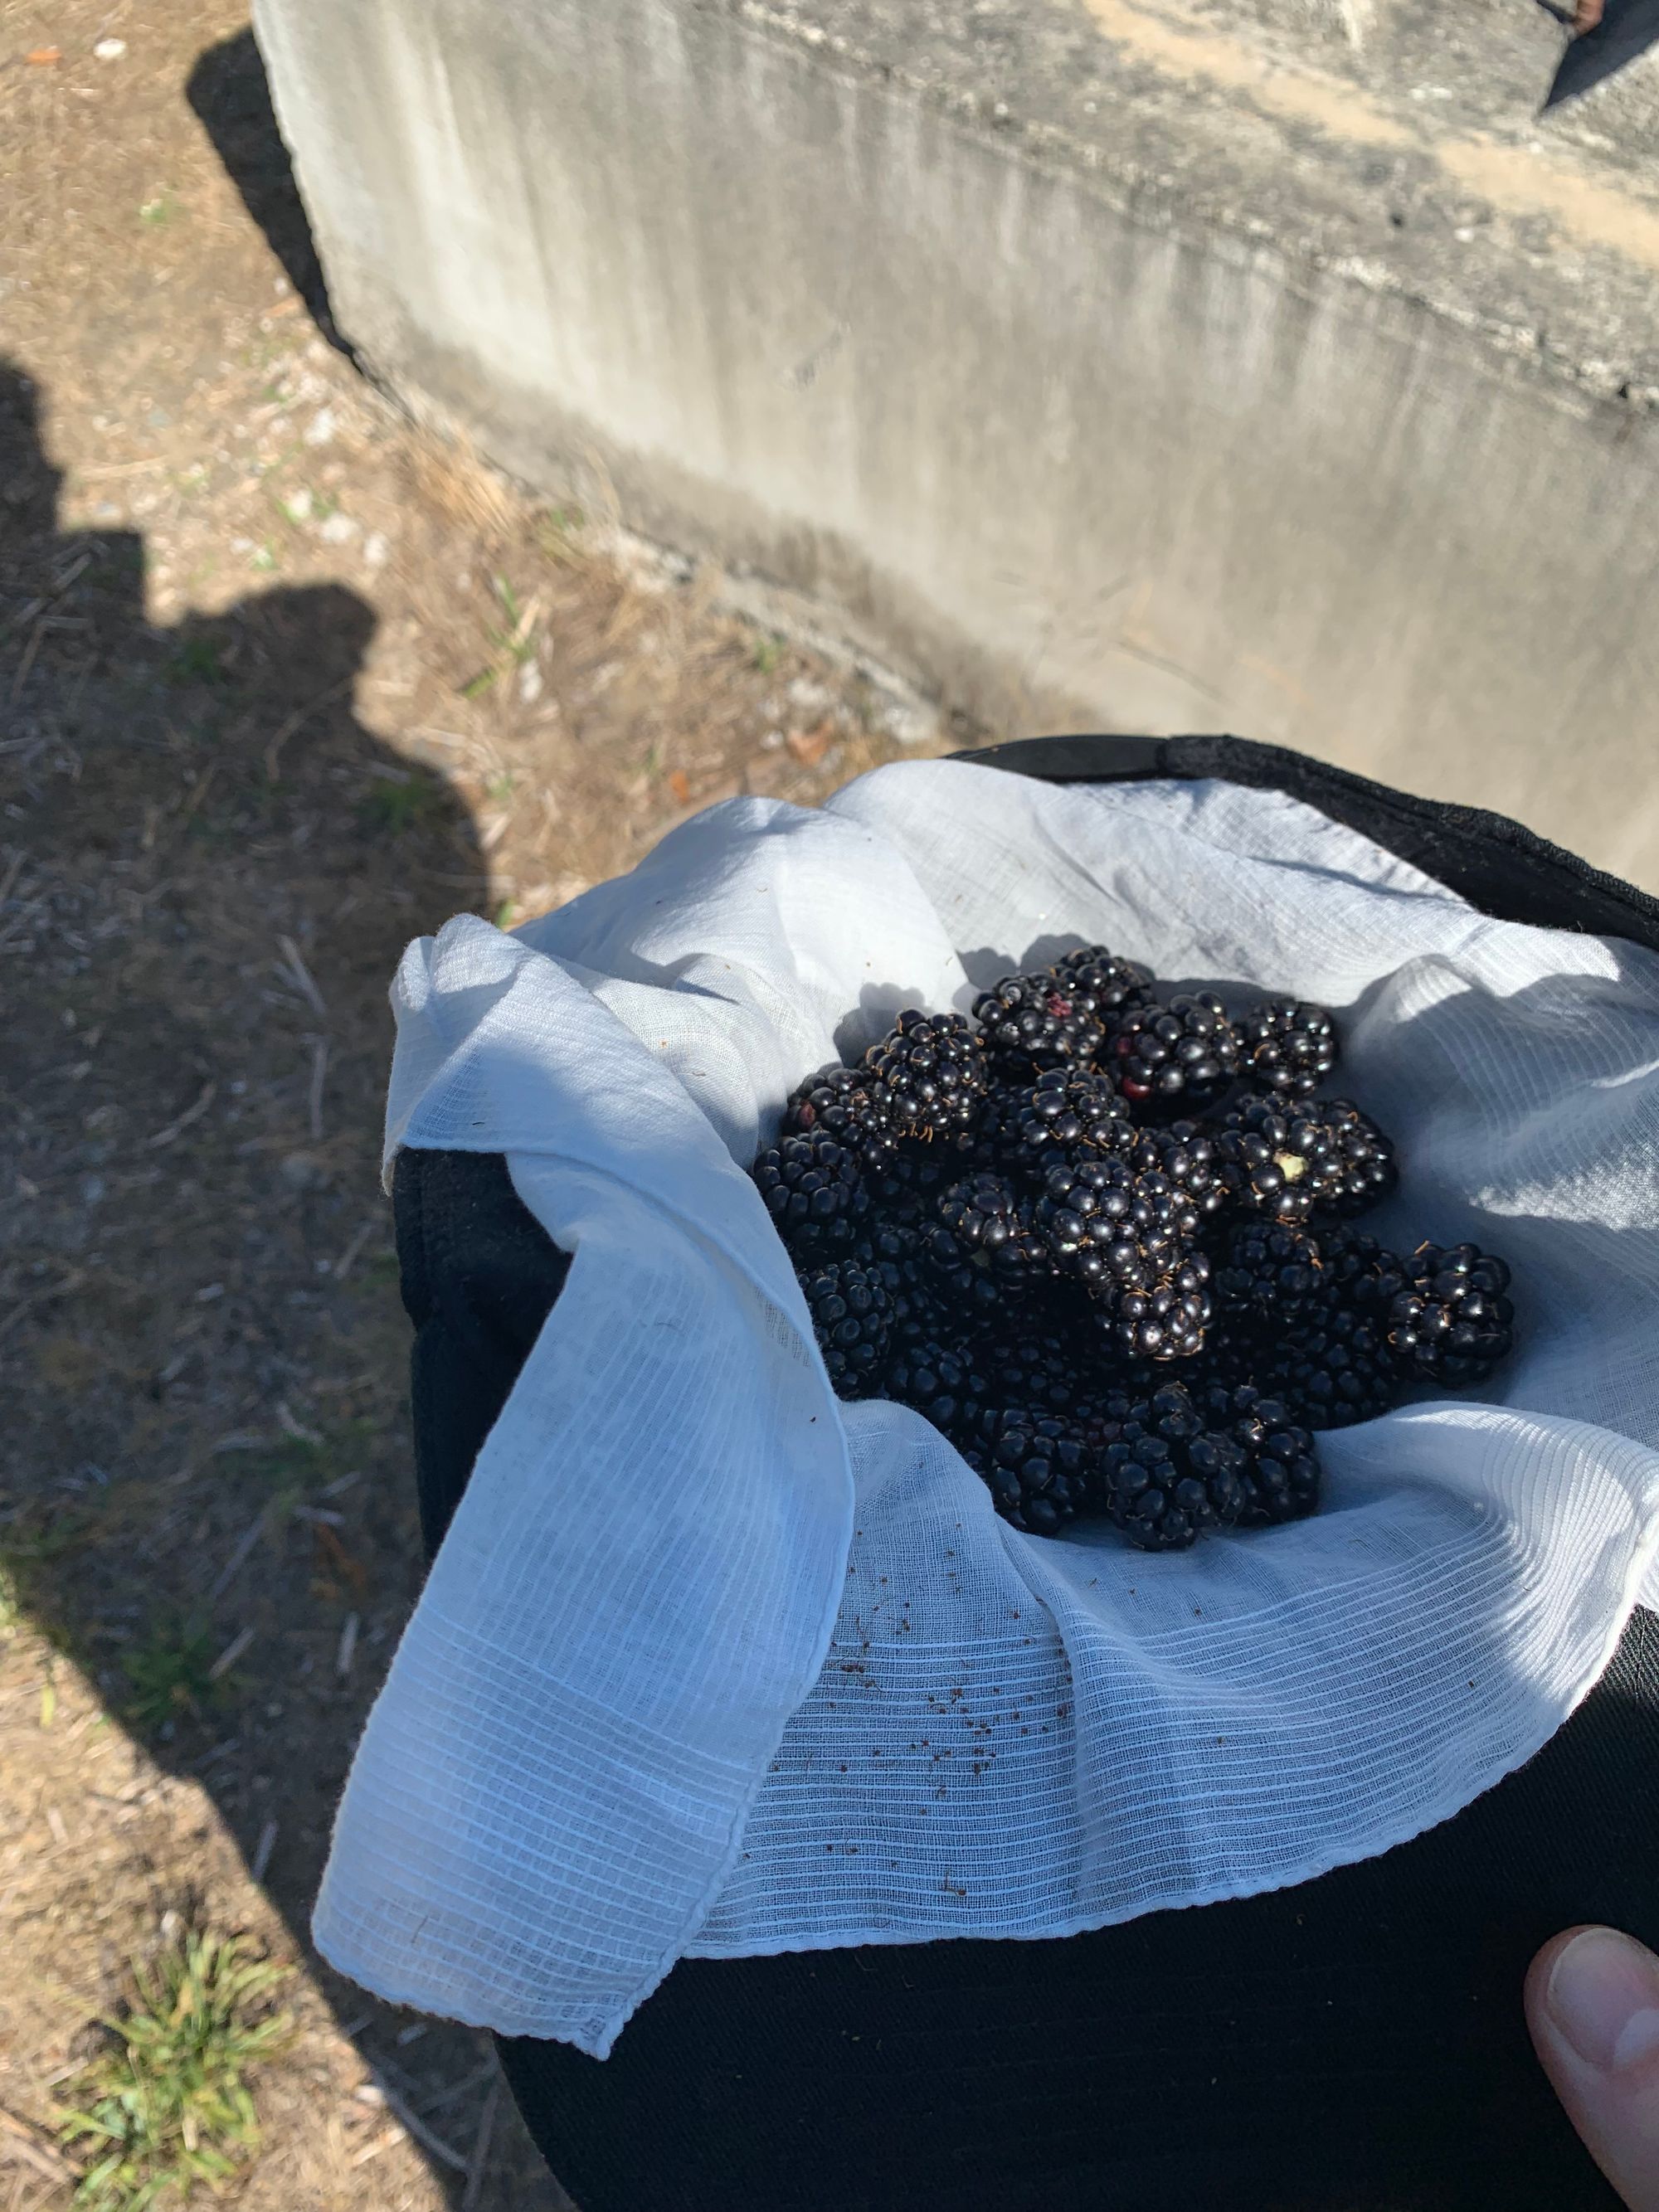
x,y
852,1318
1267,1273
1128,1239
1066,1109
991,1227
1335,1371
813,1190
939,1381
1359,1273
1357,1166
1181,1152
1166,1476
1104,984
1280,1470
1036,1021
1043,1370
932,1071
907,1187
1289,1161
1287,1046
845,1104
1455,1323
1175,1057
1035,1467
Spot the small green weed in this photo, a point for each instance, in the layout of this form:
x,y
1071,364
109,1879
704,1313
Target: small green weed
x,y
555,532
166,2105
155,212
196,660
171,1673
475,686
767,653
394,808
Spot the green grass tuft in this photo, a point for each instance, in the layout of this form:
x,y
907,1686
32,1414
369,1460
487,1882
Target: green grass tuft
x,y
171,1673
167,2103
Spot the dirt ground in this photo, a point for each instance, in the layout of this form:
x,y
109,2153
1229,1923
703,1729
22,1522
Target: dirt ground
x,y
282,683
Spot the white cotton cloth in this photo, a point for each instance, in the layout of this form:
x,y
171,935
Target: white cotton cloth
x,y
712,1664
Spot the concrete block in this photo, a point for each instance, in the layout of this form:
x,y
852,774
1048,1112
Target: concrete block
x,y
1268,368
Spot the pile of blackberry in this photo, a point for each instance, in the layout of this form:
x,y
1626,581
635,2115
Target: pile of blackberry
x,y
1101,1236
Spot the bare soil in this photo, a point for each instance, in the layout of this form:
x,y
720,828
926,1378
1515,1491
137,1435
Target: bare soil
x,y
283,682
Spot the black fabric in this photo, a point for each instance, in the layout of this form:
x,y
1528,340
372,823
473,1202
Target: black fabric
x,y
1354,2044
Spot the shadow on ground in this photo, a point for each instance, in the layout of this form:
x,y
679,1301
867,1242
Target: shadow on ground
x,y
229,94
208,869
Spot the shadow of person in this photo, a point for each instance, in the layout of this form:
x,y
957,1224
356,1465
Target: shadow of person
x,y
231,98
209,868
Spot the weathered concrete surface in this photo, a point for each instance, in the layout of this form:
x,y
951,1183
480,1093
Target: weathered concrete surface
x,y
1264,365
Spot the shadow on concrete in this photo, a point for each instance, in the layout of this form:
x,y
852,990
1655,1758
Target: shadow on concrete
x,y
231,97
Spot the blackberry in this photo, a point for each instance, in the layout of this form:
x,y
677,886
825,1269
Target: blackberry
x,y
939,1381
1337,1370
848,1106
1359,1273
1180,1150
907,1188
1043,1370
1288,1161
1455,1323
991,1227
1357,1167
1288,1046
1185,1054
1035,1468
813,1190
1103,983
852,1318
1280,1472
1268,1273
1068,1107
931,1068
1035,1021
1128,1239
1166,1476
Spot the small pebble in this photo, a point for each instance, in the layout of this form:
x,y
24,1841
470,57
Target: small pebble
x,y
109,50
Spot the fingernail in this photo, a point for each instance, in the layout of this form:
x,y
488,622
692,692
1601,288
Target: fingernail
x,y
1603,1995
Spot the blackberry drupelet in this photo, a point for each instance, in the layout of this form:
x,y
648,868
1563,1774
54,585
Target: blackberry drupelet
x,y
845,1104
1036,1021
1287,1046
852,1318
1455,1322
932,1071
1268,1273
813,1190
1035,1467
1175,1057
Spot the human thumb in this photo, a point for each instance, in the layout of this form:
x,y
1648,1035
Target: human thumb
x,y
1593,2008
